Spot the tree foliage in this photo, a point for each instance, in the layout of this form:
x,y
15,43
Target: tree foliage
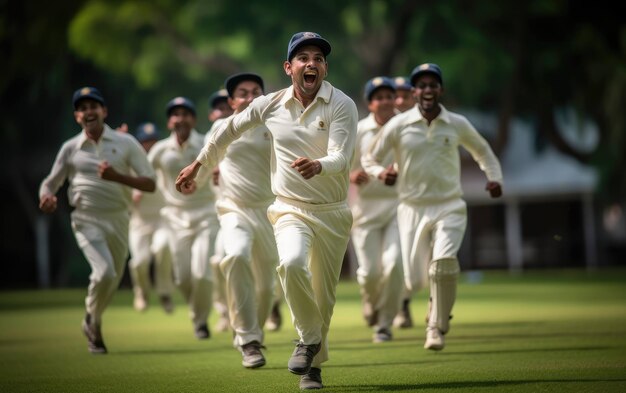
x,y
513,59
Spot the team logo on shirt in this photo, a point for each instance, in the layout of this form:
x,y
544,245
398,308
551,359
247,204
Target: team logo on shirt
x,y
266,135
321,124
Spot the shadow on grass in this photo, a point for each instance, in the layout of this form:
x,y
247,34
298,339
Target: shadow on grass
x,y
459,385
530,350
169,351
361,365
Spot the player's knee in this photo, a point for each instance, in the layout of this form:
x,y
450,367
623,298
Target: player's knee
x,y
232,261
293,264
368,277
445,268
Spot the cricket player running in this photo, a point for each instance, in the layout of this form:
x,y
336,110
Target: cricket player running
x,y
432,215
191,217
102,167
250,256
313,130
375,233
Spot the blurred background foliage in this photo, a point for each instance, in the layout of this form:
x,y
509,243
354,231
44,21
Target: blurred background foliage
x,y
511,59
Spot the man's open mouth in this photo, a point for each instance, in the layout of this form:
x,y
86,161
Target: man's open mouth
x,y
310,77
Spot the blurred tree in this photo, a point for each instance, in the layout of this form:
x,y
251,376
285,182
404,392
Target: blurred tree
x,y
511,59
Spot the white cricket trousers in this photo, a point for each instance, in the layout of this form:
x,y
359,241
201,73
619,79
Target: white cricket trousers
x,y
149,240
192,243
311,241
248,267
103,239
429,232
380,274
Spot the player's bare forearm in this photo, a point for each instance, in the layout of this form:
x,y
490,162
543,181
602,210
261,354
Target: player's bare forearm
x,y
187,176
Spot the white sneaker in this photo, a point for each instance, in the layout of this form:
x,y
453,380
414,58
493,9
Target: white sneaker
x,y
140,303
222,325
434,339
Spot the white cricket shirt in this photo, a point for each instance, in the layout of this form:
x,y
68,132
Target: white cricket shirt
x,y
372,200
324,131
78,161
168,158
428,156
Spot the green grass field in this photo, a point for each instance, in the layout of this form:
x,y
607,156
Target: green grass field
x,y
549,331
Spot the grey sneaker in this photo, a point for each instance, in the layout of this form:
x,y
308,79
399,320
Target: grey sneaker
x,y
252,355
312,379
302,357
167,303
202,332
95,343
382,335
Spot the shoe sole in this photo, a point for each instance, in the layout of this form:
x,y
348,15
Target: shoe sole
x,y
299,371
254,365
316,387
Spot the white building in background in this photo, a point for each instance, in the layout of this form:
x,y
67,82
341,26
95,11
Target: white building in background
x,y
546,216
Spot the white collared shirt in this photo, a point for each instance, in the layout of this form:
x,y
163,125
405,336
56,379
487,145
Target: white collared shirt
x,y
78,161
245,169
428,156
373,199
324,131
168,158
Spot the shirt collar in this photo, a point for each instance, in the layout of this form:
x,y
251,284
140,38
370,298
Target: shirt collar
x,y
323,93
107,134
414,115
172,141
369,123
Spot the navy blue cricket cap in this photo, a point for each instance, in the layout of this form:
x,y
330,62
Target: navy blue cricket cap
x,y
424,69
217,97
307,38
87,92
182,102
402,83
234,80
147,132
376,83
